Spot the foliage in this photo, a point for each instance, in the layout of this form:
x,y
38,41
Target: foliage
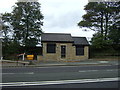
x,y
10,50
114,33
21,27
26,22
98,42
104,18
6,27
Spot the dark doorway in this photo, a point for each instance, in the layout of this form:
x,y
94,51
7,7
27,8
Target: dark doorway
x,y
63,51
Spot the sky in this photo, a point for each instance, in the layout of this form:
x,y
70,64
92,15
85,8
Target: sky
x,y
60,16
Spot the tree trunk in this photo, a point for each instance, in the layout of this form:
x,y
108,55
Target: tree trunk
x,y
101,23
106,25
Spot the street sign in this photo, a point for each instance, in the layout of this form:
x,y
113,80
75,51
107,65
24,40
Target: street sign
x,y
30,57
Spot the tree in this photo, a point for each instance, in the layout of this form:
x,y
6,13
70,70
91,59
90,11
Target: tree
x,y
98,42
114,33
21,27
100,18
6,28
9,47
26,20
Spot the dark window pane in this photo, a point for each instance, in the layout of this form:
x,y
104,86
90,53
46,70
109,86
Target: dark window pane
x,y
51,48
79,50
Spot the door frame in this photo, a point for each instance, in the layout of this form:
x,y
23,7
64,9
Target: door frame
x,y
64,52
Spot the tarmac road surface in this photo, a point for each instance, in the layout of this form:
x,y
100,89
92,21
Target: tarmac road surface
x,y
78,74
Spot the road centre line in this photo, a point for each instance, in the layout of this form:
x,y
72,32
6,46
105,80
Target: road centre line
x,y
18,73
98,70
58,82
71,66
88,70
30,73
113,70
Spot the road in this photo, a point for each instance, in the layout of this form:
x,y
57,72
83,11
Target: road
x,y
50,76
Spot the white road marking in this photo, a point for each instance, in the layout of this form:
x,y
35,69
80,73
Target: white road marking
x,y
7,73
103,61
112,70
97,70
56,66
88,70
78,71
17,73
58,82
69,66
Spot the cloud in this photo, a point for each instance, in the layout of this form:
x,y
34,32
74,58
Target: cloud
x,y
75,31
65,20
62,13
62,16
6,5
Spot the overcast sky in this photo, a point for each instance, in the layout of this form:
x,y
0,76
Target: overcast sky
x,y
60,16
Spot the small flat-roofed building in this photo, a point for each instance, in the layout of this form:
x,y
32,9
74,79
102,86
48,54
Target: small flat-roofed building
x,y
63,47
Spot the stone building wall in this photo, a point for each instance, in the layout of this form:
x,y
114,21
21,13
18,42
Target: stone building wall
x,y
70,53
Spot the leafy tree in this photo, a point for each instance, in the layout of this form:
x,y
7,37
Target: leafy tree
x,y
21,27
114,33
6,28
26,20
10,50
100,17
98,42
7,36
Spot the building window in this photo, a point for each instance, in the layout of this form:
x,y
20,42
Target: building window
x,y
51,48
80,50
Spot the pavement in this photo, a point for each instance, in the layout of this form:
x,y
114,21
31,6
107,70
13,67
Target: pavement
x,y
43,64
